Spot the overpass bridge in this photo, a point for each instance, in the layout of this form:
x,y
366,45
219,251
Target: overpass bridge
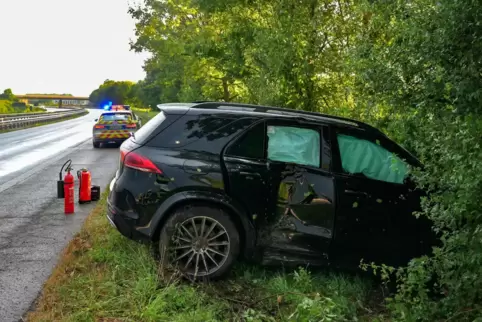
x,y
60,100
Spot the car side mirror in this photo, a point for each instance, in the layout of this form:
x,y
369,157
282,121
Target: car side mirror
x,y
96,120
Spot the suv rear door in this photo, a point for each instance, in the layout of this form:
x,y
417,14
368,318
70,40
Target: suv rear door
x,y
248,175
289,190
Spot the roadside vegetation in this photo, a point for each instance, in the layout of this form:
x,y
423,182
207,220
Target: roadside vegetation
x,y
103,276
410,68
145,114
9,104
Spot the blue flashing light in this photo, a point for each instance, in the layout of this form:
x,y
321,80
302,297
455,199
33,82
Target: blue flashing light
x,y
106,107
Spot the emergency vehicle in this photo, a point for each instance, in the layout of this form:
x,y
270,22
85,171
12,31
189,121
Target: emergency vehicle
x,y
114,127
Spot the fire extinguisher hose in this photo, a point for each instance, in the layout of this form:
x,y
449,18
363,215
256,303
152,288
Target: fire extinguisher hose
x,y
69,162
79,174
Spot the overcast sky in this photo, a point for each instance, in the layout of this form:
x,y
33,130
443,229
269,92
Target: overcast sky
x,y
65,46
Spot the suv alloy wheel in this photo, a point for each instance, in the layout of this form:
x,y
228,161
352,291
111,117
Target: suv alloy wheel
x,y
200,241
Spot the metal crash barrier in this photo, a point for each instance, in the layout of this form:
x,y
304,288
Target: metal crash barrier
x,y
14,121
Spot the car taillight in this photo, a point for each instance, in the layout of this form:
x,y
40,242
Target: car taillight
x,y
99,126
139,162
122,155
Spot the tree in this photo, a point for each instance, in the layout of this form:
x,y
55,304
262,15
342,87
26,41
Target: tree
x,y
117,92
189,50
268,52
7,95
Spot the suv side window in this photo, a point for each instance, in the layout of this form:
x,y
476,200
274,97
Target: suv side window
x,y
294,145
364,156
251,144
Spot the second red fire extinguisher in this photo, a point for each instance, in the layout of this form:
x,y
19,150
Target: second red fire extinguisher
x,y
84,185
69,192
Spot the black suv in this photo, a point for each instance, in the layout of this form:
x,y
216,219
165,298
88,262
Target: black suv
x,y
210,182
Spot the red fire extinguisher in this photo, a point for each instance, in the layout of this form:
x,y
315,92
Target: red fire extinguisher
x,y
69,192
84,185
60,182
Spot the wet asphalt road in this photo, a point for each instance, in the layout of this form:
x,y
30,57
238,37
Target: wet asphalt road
x,y
33,227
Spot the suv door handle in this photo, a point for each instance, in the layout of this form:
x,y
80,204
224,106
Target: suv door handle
x,y
250,174
356,193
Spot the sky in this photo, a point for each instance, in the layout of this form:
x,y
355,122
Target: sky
x,y
66,46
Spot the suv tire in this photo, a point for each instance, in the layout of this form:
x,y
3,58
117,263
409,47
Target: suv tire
x,y
96,144
214,245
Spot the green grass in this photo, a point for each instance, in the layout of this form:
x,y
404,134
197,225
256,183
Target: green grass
x,y
103,276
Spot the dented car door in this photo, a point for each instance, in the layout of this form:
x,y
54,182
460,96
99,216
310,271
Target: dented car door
x,y
299,229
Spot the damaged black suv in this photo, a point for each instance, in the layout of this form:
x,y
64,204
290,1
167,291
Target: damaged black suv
x,y
212,182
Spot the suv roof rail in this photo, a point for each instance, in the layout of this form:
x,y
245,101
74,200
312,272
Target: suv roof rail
x,y
267,109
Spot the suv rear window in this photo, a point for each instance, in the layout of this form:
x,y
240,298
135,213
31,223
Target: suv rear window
x,y
190,128
145,131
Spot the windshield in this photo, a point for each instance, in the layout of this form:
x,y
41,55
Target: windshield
x,y
115,117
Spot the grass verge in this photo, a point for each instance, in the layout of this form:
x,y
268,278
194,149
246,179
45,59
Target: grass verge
x,y
145,114
103,276
46,123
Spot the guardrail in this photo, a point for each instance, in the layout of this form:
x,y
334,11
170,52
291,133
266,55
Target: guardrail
x,y
14,121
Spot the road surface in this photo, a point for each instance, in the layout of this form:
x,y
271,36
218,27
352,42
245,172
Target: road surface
x,y
33,227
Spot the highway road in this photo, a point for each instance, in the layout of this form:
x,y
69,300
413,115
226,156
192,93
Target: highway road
x,y
33,227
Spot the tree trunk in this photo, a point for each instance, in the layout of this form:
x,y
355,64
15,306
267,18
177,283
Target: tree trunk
x,y
226,93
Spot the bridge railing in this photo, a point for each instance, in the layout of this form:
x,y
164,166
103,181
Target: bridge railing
x,y
13,121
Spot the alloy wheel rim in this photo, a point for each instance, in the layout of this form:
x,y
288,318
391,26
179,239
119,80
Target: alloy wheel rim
x,y
200,246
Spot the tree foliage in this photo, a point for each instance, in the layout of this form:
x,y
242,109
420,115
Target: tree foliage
x,y
6,107
268,52
7,95
117,92
423,59
411,68
6,100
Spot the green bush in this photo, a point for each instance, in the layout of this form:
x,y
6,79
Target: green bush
x,y
6,106
422,59
451,149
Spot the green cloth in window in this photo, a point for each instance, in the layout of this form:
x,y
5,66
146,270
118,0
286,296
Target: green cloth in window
x,y
370,159
294,145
